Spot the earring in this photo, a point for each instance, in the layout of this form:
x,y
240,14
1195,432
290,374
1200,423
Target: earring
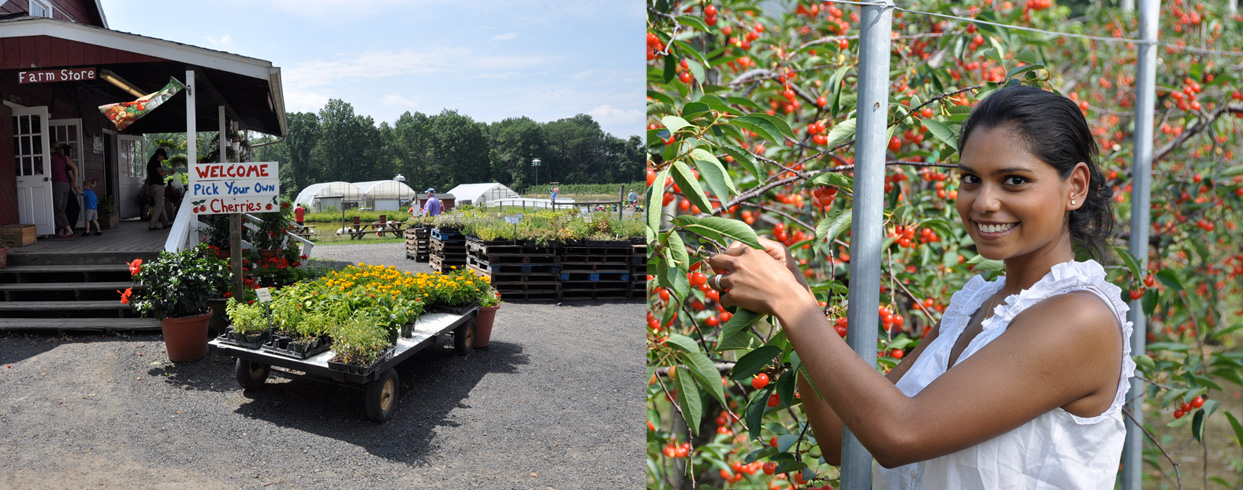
x,y
1072,202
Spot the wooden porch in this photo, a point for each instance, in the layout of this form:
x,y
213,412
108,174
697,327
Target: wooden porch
x,y
130,241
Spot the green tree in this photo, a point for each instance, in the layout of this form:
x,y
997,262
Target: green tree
x,y
460,148
515,142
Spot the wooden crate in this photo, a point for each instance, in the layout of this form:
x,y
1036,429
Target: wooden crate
x,y
17,235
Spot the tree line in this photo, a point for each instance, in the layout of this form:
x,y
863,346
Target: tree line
x,y
446,149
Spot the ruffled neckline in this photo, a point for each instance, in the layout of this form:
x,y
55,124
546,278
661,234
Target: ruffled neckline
x,y
1064,277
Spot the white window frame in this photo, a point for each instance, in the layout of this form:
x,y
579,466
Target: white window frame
x,y
47,8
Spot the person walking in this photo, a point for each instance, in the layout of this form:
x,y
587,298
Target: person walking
x,y
155,185
432,206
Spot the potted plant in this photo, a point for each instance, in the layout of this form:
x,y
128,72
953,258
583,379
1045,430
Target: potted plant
x,y
269,239
176,287
489,302
249,324
360,343
218,237
108,217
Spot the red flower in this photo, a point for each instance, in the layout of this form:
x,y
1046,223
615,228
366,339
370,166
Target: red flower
x,y
125,296
135,267
284,205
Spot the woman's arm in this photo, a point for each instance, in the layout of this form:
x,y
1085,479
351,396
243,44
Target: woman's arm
x,y
1061,350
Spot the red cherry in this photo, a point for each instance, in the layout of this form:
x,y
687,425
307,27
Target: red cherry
x,y
1197,402
773,401
895,144
896,354
1137,294
759,381
1149,281
1178,414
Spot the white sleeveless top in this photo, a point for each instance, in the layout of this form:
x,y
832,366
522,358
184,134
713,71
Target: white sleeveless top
x,y
1056,449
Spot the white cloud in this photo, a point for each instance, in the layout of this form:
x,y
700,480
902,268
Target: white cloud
x,y
296,101
399,100
505,37
409,62
221,41
610,116
583,75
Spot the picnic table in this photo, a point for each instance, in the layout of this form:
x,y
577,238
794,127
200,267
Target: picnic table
x,y
380,227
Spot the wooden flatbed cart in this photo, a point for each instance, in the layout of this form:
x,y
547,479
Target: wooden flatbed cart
x,y
379,381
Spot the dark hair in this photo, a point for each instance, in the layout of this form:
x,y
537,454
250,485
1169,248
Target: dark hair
x,y
159,152
1056,132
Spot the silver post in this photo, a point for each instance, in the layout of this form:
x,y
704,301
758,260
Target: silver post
x,y
1127,5
1141,191
867,215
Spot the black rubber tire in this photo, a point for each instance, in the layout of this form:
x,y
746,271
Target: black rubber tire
x,y
251,375
464,338
383,397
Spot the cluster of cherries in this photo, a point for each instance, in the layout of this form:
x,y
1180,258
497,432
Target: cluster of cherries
x,y
1187,407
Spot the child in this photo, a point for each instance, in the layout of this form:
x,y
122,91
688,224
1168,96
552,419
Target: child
x,y
91,202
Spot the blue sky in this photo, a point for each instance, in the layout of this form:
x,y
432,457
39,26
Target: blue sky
x,y
487,59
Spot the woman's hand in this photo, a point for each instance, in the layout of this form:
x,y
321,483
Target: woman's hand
x,y
763,281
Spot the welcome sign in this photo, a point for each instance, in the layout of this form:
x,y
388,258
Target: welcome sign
x,y
225,188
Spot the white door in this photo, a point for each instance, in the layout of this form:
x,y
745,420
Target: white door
x,y
34,168
69,132
131,170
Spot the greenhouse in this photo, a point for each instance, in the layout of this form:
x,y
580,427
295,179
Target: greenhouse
x,y
336,195
385,195
482,194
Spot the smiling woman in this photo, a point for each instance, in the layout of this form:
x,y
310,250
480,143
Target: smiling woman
x,y
1027,390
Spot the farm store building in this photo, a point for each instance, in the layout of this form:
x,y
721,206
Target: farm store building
x,y
60,62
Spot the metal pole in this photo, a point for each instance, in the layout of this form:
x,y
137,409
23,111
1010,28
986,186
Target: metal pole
x,y
1127,5
1141,193
867,215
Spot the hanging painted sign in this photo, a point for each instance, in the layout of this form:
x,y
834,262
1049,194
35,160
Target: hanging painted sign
x,y
56,75
122,114
224,188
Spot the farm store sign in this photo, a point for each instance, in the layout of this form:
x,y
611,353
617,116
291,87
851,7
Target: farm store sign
x,y
223,188
61,75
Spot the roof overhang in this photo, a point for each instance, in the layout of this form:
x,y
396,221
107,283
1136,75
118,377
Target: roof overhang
x,y
250,88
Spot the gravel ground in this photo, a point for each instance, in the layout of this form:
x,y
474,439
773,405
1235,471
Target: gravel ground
x,y
555,401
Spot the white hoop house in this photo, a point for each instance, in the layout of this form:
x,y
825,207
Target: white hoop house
x,y
324,195
385,195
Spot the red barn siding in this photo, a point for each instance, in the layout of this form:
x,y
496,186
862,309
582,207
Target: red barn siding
x,y
24,53
8,171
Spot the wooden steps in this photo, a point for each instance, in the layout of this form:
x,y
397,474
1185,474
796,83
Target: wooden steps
x,y
79,324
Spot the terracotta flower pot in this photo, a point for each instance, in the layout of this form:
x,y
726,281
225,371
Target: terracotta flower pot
x,y
483,325
185,338
267,254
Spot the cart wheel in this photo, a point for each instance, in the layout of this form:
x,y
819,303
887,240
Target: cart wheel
x,y
250,374
464,338
382,397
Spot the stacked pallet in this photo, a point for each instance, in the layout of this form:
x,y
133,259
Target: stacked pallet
x,y
595,269
638,271
519,271
448,250
418,243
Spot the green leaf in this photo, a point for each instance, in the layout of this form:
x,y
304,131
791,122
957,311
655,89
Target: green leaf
x,y
841,133
1231,172
677,252
744,102
760,126
671,68
690,400
725,227
1131,263
782,126
655,198
738,325
1170,346
686,180
1027,56
744,157
835,84
682,343
696,69
674,123
1170,279
1197,426
715,103
753,362
660,97
691,20
785,442
755,412
786,385
706,374
833,224
941,132
693,109
714,174
1234,424
836,179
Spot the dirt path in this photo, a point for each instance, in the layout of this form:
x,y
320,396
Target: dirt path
x,y
556,401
